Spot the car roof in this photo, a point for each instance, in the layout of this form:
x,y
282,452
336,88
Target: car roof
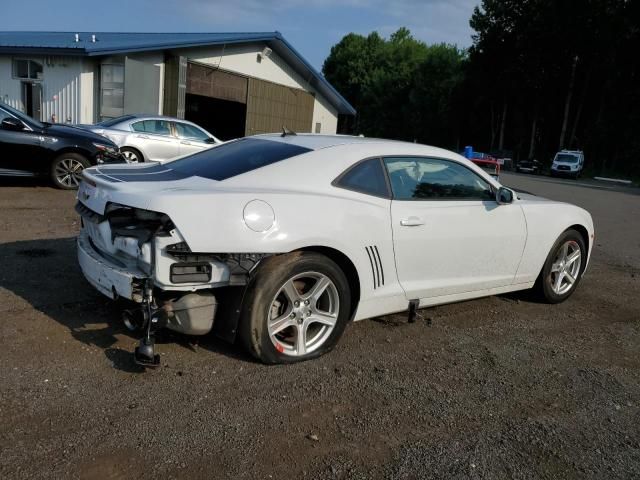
x,y
139,117
314,141
147,116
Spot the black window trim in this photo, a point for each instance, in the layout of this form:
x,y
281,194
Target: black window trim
x,y
440,199
336,182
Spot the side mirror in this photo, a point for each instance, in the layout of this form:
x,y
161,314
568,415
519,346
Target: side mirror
x,y
504,196
11,123
210,140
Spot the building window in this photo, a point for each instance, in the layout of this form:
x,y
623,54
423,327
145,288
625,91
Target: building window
x,y
27,69
111,90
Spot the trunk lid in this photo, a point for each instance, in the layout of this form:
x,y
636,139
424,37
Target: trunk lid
x,y
132,185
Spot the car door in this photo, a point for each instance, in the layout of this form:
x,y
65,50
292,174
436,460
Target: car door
x,y
154,138
21,151
192,138
450,235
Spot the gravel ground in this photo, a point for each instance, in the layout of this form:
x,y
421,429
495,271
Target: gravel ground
x,y
501,387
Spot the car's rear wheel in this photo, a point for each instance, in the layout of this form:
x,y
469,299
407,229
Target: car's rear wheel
x,y
295,309
563,268
66,170
131,155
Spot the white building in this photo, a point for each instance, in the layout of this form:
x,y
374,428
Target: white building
x,y
233,84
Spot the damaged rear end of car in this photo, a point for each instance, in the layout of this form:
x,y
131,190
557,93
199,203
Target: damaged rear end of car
x,y
128,251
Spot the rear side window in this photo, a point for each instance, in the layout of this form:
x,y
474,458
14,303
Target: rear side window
x,y
365,177
235,158
156,127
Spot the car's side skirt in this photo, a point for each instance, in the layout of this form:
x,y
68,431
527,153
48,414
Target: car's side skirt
x,y
401,304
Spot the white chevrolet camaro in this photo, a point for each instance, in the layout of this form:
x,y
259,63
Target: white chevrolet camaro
x,y
281,240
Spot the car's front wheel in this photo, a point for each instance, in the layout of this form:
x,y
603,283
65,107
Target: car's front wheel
x,y
295,309
563,268
66,170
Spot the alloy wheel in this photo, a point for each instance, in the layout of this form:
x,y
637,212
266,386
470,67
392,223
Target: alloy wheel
x,y
303,314
68,172
130,157
565,268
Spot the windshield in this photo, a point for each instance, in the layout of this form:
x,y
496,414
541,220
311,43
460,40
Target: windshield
x,y
21,116
110,122
234,158
566,158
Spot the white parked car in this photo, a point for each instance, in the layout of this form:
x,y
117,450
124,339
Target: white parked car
x,y
283,240
568,163
144,138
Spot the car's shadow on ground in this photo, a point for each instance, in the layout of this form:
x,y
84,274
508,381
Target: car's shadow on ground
x,y
45,274
26,182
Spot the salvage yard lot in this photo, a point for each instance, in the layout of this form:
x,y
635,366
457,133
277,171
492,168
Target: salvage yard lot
x,y
494,388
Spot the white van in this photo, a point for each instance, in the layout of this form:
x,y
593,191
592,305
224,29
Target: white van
x,y
568,163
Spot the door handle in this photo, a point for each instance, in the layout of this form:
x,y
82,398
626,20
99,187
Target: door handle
x,y
411,222
142,136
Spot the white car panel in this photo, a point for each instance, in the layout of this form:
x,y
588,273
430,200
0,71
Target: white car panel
x,y
155,148
457,247
464,249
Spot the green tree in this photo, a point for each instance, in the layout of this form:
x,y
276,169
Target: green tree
x,y
401,87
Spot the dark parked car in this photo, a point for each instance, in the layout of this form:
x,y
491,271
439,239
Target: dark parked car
x,y
29,147
529,166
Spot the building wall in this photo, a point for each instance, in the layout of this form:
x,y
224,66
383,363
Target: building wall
x,y
325,115
71,85
89,83
243,59
156,59
62,87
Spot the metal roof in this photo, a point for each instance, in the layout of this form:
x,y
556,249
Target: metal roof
x,y
117,43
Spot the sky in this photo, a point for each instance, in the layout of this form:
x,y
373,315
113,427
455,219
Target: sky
x,y
312,26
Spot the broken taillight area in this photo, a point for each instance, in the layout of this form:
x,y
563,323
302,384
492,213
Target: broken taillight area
x,y
134,222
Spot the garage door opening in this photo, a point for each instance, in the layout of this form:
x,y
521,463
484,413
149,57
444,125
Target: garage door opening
x,y
223,118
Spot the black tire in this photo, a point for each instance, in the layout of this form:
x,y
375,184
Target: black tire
x,y
543,286
129,153
260,301
66,170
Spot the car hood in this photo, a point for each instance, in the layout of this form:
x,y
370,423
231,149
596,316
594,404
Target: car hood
x,y
75,132
526,197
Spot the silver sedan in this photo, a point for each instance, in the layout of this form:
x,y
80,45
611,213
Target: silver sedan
x,y
154,138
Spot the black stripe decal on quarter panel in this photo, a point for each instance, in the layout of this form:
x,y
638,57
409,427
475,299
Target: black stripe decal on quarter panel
x,y
375,261
373,273
380,262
